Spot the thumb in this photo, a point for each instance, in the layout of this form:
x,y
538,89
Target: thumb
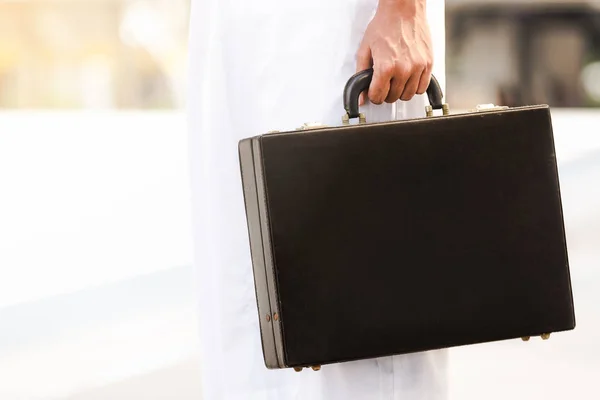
x,y
363,62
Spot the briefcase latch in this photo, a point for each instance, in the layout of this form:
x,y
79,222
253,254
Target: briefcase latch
x,y
311,125
489,107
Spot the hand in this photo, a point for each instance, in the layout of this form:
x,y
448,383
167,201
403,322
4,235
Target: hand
x,y
397,44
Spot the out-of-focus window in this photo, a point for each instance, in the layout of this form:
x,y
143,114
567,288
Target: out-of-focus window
x,y
519,52
93,54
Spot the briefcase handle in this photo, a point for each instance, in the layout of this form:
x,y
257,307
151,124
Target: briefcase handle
x,y
361,81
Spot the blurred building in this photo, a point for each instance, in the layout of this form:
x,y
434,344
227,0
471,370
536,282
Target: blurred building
x,y
519,52
92,53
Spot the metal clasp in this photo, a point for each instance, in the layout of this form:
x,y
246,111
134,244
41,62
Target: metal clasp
x,y
489,107
362,119
445,110
311,125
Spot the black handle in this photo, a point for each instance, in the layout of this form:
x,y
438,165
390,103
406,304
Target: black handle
x,y
361,81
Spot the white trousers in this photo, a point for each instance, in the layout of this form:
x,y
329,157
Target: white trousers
x,y
257,66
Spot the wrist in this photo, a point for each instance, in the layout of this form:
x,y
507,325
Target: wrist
x,y
407,8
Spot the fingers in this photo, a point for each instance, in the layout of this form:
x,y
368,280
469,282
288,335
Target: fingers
x,y
392,83
391,80
396,89
425,79
411,86
381,83
363,62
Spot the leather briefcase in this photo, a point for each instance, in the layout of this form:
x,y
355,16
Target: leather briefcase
x,y
371,240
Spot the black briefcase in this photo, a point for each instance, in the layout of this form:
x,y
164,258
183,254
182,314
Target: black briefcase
x,y
370,240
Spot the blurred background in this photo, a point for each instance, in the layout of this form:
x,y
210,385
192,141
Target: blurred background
x,y
93,54
518,52
96,284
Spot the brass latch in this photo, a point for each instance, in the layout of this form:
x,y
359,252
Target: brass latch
x,y
311,125
488,107
445,110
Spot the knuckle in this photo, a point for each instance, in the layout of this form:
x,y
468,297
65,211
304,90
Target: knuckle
x,y
419,66
418,69
404,72
387,69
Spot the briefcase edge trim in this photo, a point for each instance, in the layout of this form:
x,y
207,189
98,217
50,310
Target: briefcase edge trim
x,y
269,262
559,198
255,199
436,118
